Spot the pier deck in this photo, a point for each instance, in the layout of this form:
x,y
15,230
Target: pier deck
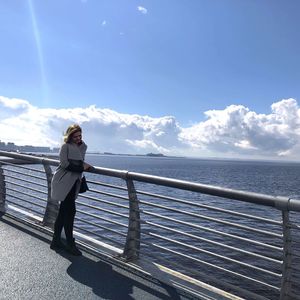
x,y
29,269
145,237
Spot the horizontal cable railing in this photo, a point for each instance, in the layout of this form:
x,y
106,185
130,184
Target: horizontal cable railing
x,y
213,231
24,180
210,208
211,250
23,184
253,254
211,219
202,231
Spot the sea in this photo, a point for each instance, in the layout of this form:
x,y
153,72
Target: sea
x,y
275,178
269,177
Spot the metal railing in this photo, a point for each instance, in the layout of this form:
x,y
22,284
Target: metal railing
x,y
242,242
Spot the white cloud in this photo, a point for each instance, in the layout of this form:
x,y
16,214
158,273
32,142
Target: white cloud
x,y
104,129
142,9
235,131
15,104
103,23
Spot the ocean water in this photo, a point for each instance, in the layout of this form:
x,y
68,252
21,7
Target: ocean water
x,y
274,178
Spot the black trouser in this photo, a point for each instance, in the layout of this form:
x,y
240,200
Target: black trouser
x,y
66,215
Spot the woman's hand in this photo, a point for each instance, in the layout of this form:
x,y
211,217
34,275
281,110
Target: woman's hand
x,y
87,167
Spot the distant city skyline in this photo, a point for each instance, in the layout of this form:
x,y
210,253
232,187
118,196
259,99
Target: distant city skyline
x,y
203,78
10,146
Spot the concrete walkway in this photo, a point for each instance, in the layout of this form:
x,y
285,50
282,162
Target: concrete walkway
x,y
30,270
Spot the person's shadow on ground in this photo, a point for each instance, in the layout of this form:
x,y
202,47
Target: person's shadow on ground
x,y
105,281
111,284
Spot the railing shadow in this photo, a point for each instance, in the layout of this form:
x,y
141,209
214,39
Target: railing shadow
x,y
114,283
106,281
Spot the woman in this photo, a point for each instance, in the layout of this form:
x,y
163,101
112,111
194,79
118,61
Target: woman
x,y
65,186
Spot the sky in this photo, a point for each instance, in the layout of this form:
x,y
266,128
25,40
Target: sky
x,y
199,78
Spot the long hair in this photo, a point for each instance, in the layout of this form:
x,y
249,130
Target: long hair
x,y
70,131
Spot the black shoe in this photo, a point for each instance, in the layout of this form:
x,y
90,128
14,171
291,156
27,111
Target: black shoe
x,y
56,244
72,249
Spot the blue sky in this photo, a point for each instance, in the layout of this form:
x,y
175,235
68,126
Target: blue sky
x,y
155,58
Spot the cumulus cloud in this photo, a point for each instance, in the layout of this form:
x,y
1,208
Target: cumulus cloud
x,y
14,104
104,129
235,131
142,9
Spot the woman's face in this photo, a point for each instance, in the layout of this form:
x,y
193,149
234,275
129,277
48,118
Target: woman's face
x,y
76,137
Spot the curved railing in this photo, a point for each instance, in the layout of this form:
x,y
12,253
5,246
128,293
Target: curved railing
x,y
242,242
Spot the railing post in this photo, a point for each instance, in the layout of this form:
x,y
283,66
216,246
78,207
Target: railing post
x,y
2,191
287,258
52,206
134,228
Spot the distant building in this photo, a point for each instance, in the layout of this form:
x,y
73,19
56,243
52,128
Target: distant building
x,y
55,150
10,147
27,148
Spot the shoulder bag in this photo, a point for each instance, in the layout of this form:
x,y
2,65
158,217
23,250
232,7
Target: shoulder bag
x,y
83,185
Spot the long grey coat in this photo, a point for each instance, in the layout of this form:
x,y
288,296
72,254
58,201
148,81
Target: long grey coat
x,y
63,180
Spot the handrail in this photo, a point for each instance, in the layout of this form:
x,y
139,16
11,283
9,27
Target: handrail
x,y
279,202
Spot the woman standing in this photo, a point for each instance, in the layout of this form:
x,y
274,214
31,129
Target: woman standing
x,y
65,186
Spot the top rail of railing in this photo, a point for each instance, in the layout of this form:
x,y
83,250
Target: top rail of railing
x,y
279,202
